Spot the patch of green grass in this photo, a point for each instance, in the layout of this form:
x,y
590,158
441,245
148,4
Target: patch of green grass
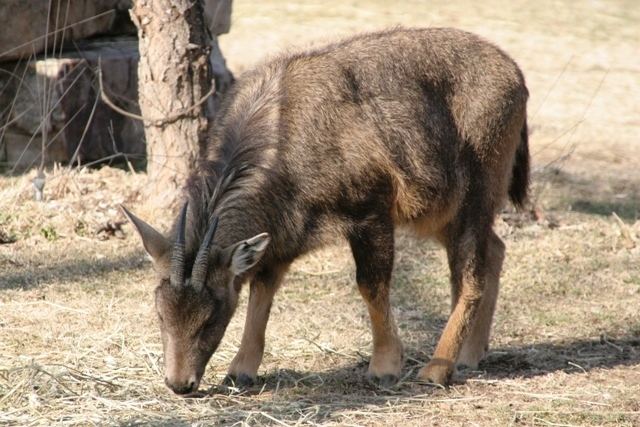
x,y
49,233
81,228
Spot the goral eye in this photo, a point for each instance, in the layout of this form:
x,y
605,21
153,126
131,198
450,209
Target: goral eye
x,y
207,327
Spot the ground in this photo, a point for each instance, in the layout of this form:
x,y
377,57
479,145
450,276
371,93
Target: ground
x,y
78,338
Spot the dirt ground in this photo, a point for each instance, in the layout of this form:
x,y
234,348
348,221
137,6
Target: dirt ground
x,y
78,340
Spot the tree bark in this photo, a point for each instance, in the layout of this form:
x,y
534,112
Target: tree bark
x,y
173,82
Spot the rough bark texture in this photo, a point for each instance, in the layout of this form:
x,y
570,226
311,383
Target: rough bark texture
x,y
173,76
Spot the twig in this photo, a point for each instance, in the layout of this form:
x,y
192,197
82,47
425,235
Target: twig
x,y
275,420
15,98
13,390
51,140
604,339
153,121
553,85
45,118
577,366
329,350
320,273
61,307
55,378
582,119
547,396
549,423
84,133
525,411
13,120
572,131
20,79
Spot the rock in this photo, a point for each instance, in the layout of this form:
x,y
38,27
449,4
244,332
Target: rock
x,y
25,24
70,87
110,132
65,85
22,151
217,15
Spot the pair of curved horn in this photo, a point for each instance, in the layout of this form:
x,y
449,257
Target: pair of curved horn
x,y
199,271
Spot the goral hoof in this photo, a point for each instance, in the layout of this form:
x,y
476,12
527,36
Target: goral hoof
x,y
240,380
437,372
384,381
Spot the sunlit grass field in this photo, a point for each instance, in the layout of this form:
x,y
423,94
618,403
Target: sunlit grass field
x,y
78,340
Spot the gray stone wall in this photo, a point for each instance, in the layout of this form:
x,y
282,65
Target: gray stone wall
x,y
49,101
26,23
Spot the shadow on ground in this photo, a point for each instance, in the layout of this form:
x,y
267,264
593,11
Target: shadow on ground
x,y
325,395
595,194
27,276
628,209
577,356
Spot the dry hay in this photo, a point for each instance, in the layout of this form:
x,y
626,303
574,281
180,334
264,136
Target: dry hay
x,y
79,344
78,202
78,339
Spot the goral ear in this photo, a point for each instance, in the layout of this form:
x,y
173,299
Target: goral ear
x,y
247,253
156,245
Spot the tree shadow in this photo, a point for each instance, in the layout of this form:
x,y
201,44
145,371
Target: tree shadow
x,y
328,393
284,396
29,277
596,194
627,209
571,356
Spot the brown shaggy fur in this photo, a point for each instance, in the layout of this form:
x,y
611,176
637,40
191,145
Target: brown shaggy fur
x,y
418,127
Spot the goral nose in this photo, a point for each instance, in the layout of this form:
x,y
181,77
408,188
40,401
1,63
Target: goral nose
x,y
185,387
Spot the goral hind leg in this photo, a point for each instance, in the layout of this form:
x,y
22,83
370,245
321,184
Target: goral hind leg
x,y
475,257
477,343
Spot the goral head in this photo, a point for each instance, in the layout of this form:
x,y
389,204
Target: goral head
x,y
195,302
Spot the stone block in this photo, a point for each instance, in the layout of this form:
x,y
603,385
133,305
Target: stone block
x,y
61,96
26,23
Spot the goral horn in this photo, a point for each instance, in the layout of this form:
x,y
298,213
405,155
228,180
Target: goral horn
x,y
177,254
199,272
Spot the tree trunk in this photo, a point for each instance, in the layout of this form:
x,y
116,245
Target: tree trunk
x,y
173,82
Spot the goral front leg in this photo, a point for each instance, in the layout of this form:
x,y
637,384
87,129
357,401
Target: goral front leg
x,y
244,366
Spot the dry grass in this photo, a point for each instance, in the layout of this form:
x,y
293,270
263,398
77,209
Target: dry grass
x,y
78,340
